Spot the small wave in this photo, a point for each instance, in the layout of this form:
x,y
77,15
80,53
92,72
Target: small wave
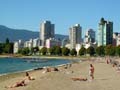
x,y
16,72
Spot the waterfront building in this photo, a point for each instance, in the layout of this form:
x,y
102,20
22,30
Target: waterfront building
x,y
89,36
105,32
75,35
18,45
87,45
65,41
52,42
116,39
36,42
46,31
29,43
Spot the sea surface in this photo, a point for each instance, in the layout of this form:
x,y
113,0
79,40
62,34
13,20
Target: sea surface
x,y
12,65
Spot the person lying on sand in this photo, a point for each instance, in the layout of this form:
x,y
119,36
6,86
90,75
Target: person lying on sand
x,y
17,84
79,79
49,69
29,77
55,69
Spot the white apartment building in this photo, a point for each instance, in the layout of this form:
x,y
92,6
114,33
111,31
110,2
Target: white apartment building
x,y
52,42
18,45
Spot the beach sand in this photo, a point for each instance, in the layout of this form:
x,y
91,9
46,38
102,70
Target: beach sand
x,y
106,78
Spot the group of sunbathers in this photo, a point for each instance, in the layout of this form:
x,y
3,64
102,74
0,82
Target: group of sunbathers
x,y
28,77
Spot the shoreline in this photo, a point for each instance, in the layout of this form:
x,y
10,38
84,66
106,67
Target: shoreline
x,y
33,69
45,57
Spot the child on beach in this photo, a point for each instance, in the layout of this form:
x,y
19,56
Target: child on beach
x,y
91,72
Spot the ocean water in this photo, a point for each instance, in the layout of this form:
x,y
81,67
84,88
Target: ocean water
x,y
12,65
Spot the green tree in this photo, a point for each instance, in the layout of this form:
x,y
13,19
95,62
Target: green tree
x,y
110,50
91,51
25,51
20,51
43,51
113,51
82,51
34,50
51,51
7,41
65,51
100,50
8,48
58,50
1,48
73,52
118,50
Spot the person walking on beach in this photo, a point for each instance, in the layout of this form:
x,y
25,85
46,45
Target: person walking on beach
x,y
91,72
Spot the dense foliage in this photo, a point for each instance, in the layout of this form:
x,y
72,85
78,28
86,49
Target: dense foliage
x,y
65,51
25,51
43,51
100,51
91,51
6,47
118,50
58,50
110,50
82,51
73,52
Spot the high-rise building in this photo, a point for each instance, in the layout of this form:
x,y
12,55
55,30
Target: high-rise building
x,y
105,32
46,31
89,36
75,35
116,39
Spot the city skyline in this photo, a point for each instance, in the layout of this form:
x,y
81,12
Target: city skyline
x,y
25,14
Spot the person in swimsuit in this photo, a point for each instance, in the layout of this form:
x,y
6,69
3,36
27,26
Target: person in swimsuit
x,y
91,72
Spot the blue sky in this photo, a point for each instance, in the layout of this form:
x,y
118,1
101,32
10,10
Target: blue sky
x,y
28,14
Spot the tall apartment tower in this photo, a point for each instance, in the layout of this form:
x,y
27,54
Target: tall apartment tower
x,y
90,36
46,31
75,35
105,32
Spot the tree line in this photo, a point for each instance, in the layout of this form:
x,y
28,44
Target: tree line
x,y
6,48
109,50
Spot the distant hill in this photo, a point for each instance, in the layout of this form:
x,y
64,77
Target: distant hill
x,y
16,34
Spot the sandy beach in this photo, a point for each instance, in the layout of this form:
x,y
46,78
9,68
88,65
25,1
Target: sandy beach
x,y
106,78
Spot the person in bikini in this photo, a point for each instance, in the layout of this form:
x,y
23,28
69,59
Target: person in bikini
x,y
17,84
91,72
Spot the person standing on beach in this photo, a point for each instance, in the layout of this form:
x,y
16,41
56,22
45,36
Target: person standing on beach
x,y
91,72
